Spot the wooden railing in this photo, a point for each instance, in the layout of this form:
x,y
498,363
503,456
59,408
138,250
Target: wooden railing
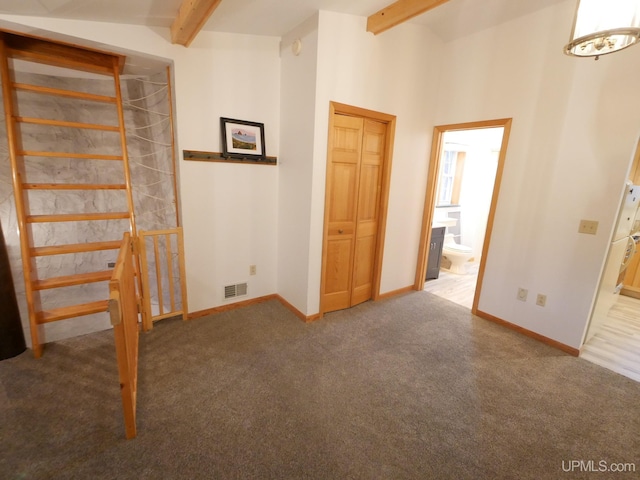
x,y
123,308
162,256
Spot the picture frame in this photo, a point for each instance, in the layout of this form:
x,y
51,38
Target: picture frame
x,y
242,139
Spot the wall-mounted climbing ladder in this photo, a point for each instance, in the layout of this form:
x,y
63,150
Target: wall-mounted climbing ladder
x,y
33,50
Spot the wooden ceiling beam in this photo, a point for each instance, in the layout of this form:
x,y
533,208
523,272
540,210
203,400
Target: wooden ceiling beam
x,y
399,12
192,16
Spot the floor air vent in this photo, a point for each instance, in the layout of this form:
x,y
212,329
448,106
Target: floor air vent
x,y
237,290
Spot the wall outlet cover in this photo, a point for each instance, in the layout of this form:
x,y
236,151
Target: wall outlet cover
x,y
589,227
522,294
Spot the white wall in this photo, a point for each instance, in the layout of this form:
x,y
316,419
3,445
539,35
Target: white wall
x,y
394,73
574,130
298,87
229,211
575,126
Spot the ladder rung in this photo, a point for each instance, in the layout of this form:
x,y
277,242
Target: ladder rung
x,y
62,123
63,313
77,217
90,156
72,186
64,93
75,248
71,280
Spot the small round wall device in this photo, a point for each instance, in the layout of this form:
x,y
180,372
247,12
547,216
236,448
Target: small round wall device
x,y
296,47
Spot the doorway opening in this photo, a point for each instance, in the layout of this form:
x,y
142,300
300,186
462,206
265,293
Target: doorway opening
x,y
612,339
464,180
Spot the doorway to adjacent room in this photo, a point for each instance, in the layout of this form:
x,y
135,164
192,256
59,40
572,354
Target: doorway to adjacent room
x,y
465,172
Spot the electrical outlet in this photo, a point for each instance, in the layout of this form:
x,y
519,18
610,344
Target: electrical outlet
x,y
541,300
111,265
589,227
252,269
522,294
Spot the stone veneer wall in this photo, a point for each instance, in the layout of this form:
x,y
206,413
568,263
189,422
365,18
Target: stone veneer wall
x,y
148,127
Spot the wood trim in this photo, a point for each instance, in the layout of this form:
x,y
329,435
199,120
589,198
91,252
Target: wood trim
x,y
325,221
390,120
74,248
399,12
429,204
173,149
63,93
63,313
298,313
192,15
85,156
528,333
183,275
430,197
254,301
492,212
231,306
630,292
344,109
199,156
60,54
145,279
62,123
125,157
384,208
395,293
22,206
72,186
71,280
77,217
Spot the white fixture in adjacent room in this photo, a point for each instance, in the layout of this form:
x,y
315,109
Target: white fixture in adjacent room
x,y
601,27
457,254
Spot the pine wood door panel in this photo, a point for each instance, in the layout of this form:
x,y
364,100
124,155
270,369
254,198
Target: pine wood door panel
x,y
374,138
337,278
342,189
363,269
357,149
343,193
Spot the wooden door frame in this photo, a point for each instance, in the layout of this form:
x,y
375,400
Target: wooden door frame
x,y
430,197
390,121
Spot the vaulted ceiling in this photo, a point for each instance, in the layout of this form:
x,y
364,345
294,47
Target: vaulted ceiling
x,y
449,19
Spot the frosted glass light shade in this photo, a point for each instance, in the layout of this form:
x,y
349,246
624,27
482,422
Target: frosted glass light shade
x,y
604,26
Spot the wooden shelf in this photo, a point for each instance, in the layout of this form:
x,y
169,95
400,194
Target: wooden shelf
x,y
217,157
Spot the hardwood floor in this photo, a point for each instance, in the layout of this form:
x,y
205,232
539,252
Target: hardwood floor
x,y
617,345
454,287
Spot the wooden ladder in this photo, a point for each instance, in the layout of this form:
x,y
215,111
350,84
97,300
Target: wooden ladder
x,y
67,56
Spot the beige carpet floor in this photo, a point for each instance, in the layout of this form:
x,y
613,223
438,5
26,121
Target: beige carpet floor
x,y
413,387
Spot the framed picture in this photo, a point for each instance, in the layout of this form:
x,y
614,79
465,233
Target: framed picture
x,y
242,139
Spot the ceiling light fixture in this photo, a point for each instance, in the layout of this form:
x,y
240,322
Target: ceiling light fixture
x,y
602,27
